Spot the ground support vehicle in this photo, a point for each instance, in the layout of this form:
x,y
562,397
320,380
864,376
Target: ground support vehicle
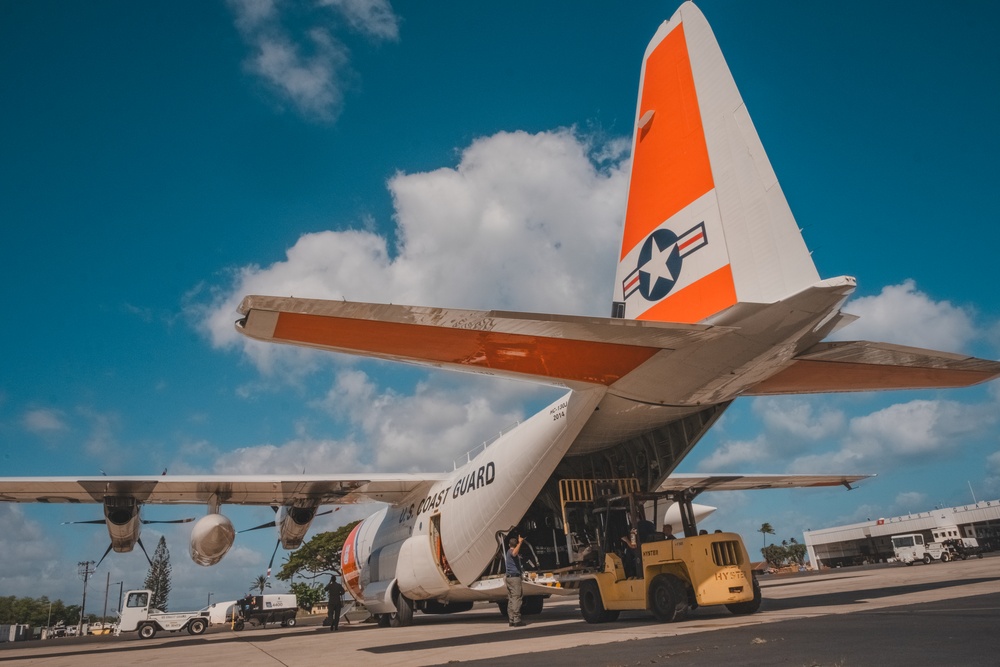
x,y
963,548
911,547
137,616
264,609
671,575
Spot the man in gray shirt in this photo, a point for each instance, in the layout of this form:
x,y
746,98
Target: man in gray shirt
x,y
514,582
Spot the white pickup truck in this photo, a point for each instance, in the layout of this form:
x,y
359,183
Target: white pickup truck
x,y
911,547
137,616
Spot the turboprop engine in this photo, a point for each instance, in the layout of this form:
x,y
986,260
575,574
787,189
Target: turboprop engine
x,y
211,538
293,524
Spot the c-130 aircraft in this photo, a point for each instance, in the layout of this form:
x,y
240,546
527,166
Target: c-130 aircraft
x,y
715,297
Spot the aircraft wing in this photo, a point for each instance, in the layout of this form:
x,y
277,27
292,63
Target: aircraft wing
x,y
696,483
866,366
558,348
240,490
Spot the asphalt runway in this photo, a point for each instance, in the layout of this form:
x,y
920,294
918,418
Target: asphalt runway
x,y
943,613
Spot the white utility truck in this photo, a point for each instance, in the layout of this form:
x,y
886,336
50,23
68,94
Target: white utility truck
x,y
911,547
139,617
263,609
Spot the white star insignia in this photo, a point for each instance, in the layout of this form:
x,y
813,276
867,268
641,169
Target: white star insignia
x,y
656,266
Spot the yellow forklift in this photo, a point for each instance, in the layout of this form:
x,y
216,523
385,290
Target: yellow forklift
x,y
636,567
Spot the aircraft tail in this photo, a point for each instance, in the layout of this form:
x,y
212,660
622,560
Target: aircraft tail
x,y
706,223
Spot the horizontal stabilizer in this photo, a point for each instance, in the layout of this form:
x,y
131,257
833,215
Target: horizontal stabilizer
x,y
558,349
695,483
865,366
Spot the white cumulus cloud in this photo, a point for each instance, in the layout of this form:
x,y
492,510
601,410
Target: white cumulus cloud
x,y
524,221
903,314
308,66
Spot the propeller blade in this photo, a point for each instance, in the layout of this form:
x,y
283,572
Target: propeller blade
x,y
106,552
139,542
326,512
273,553
95,521
269,524
188,520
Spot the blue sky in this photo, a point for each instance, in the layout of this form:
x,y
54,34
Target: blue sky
x,y
159,161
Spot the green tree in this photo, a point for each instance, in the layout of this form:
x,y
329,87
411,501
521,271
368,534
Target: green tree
x,y
796,552
158,579
765,529
260,583
37,612
307,595
775,555
319,556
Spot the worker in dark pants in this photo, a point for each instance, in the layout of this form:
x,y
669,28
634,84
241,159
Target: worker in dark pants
x,y
512,561
335,593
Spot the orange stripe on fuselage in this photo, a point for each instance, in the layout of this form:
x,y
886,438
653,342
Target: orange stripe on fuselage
x,y
695,302
349,564
670,167
586,361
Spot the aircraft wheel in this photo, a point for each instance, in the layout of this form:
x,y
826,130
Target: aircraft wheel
x,y
927,559
147,631
197,626
404,612
383,620
750,606
667,599
502,606
592,605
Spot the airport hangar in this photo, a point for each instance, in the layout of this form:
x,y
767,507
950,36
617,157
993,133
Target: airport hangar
x,y
870,541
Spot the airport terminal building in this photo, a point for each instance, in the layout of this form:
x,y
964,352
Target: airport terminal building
x,y
870,541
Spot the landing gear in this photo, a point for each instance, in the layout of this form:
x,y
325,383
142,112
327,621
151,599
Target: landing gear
x,y
404,611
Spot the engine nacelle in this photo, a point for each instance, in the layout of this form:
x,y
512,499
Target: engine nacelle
x,y
121,515
293,524
211,538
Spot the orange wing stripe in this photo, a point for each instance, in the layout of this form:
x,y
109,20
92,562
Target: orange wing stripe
x,y
805,377
670,167
597,363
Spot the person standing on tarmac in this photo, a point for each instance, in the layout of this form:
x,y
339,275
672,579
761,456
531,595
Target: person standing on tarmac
x,y
335,597
512,561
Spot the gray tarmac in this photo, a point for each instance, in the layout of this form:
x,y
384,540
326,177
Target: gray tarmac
x,y
943,613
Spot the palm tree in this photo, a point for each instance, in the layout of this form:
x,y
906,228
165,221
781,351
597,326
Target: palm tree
x,y
765,529
261,582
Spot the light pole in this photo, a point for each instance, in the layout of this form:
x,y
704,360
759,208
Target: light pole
x,y
120,585
210,599
84,570
107,586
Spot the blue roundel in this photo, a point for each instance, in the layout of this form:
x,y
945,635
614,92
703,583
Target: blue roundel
x,y
656,279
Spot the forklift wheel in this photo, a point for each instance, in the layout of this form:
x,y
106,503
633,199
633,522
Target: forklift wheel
x,y
592,605
667,598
